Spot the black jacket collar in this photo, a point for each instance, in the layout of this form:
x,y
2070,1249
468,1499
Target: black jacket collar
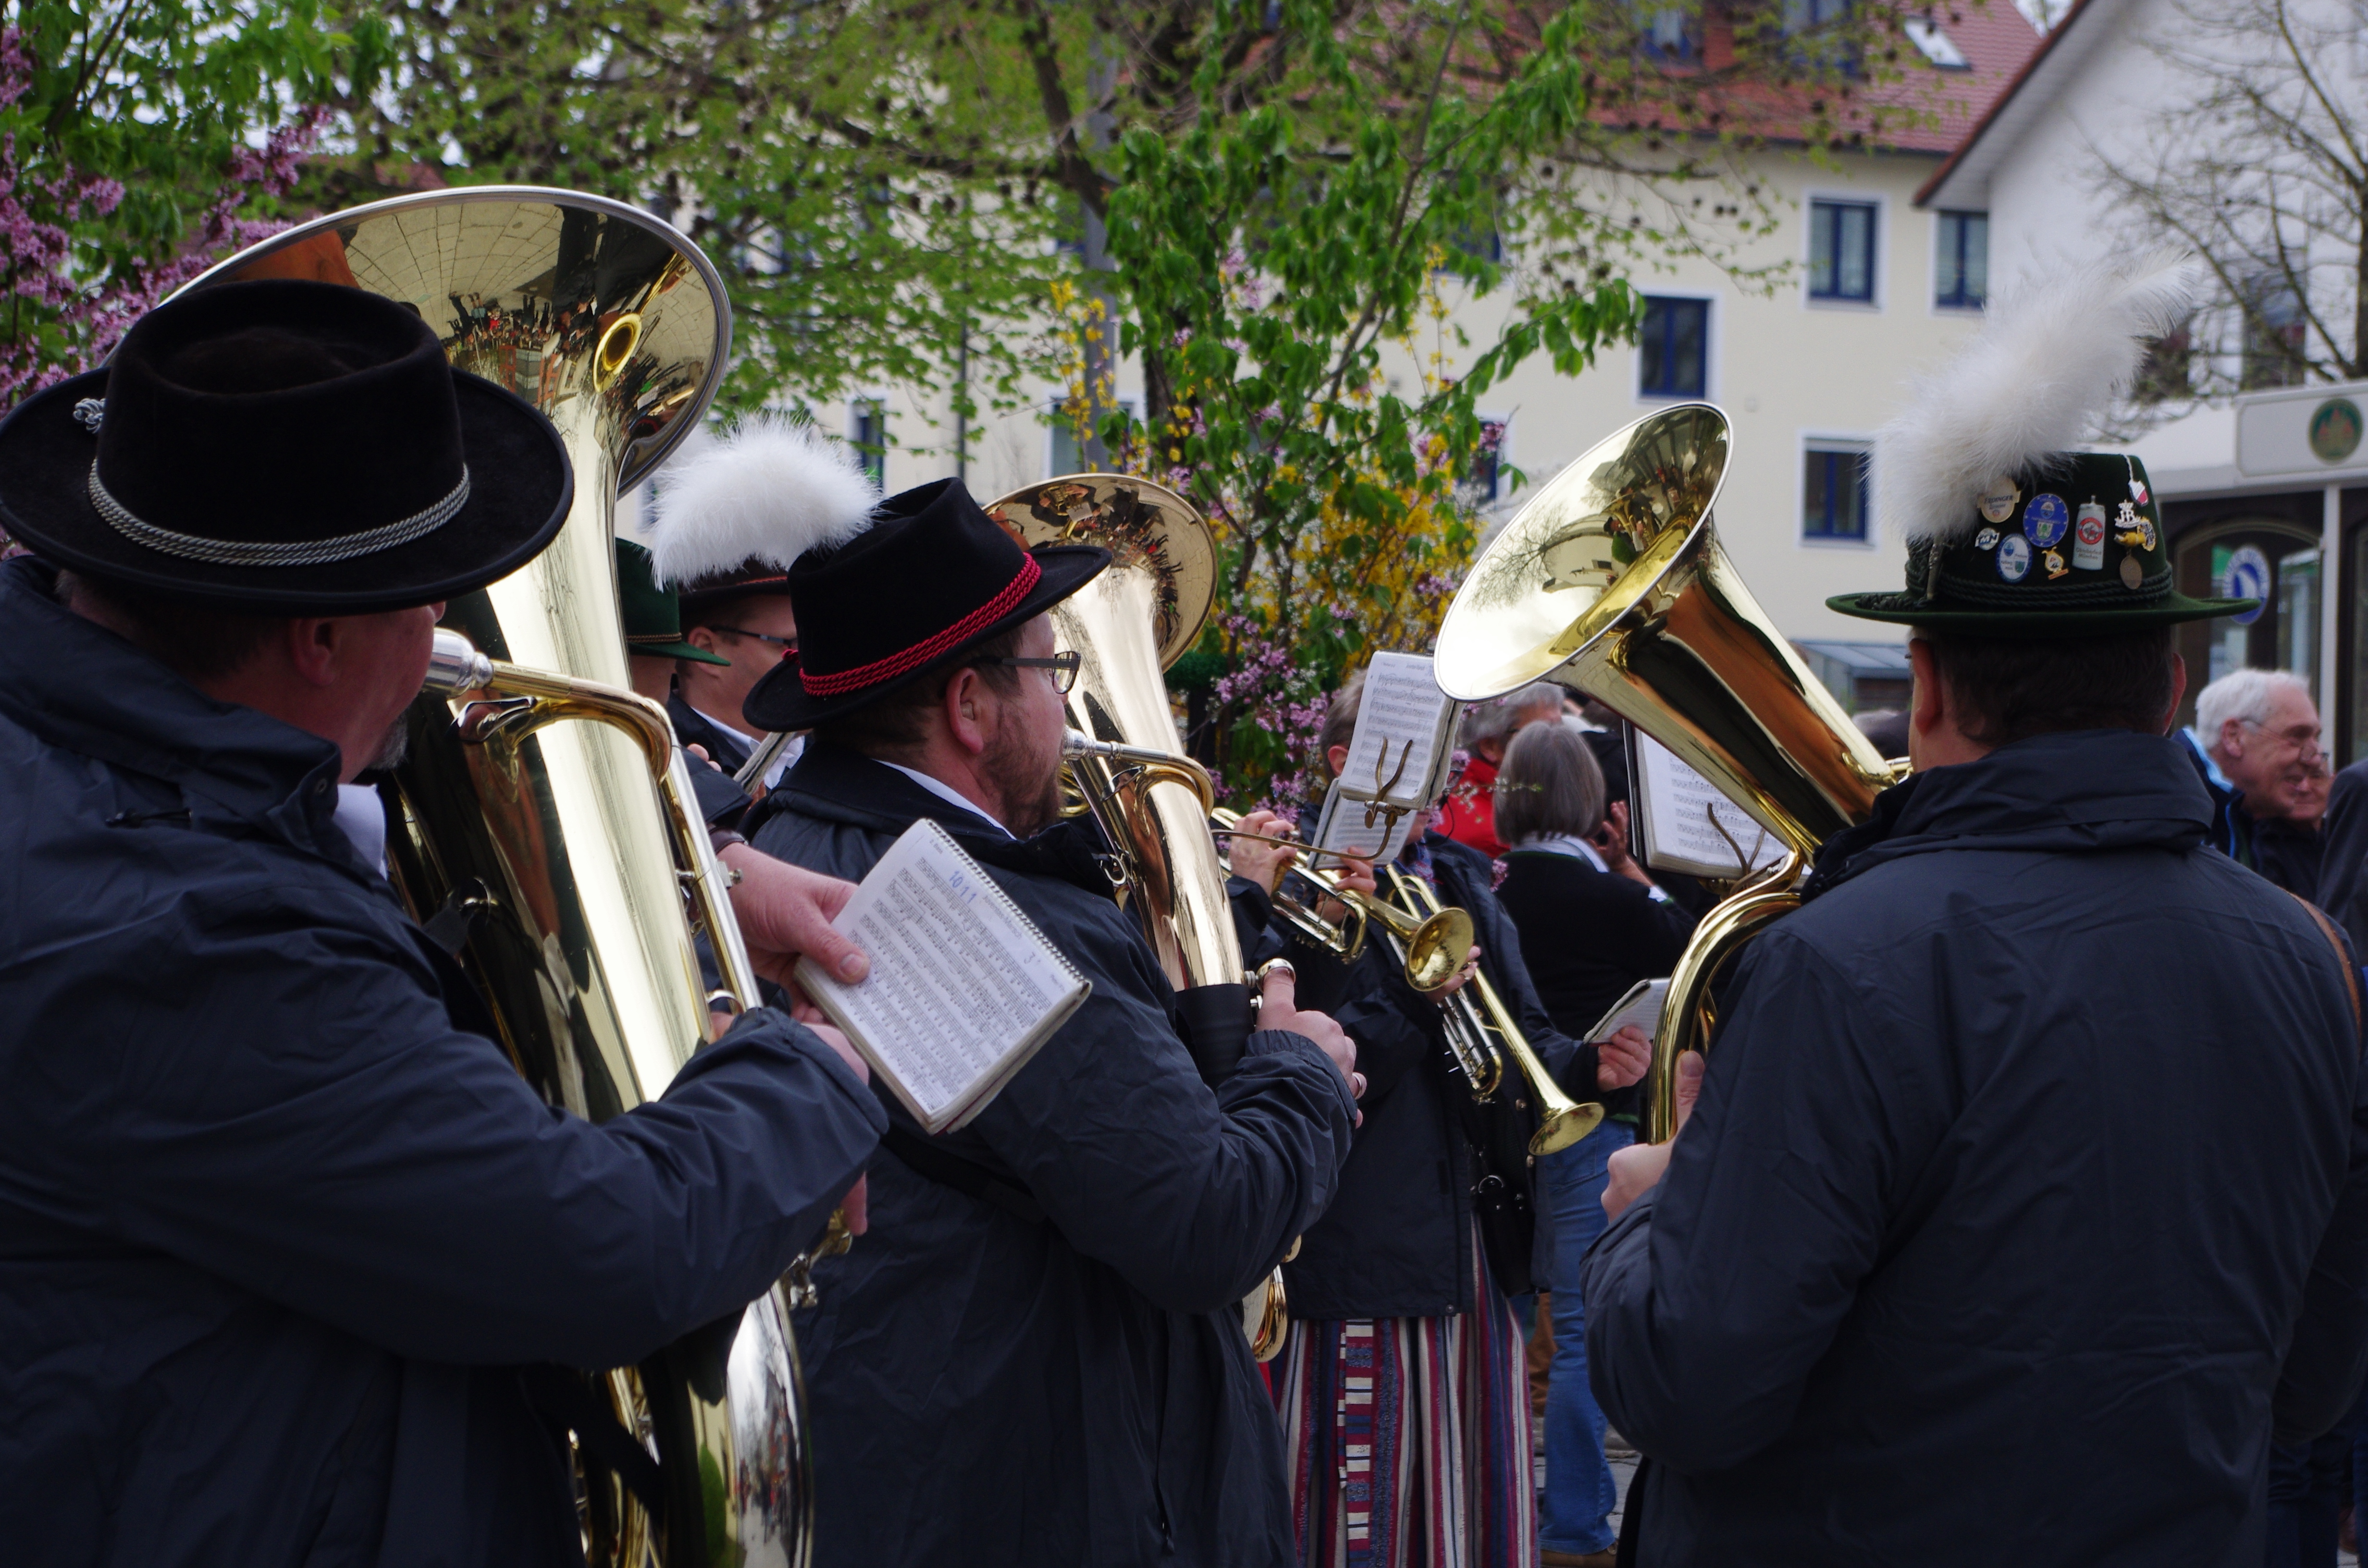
x,y
2086,790
832,784
79,686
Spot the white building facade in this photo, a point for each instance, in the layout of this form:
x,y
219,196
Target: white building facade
x,y
1874,290
2265,491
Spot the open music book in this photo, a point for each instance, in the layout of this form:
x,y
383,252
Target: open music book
x,y
1641,1006
964,989
1682,822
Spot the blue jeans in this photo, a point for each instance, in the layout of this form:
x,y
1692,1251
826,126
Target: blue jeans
x,y
1579,1491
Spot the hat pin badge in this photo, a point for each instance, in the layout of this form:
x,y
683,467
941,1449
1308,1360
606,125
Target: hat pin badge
x,y
1996,500
2046,520
2089,538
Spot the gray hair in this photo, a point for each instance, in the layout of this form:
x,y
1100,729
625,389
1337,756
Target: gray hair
x,y
1496,719
2243,695
1549,784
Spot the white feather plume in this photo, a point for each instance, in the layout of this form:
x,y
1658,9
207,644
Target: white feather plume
x,y
769,492
2050,358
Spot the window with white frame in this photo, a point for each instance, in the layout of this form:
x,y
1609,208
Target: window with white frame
x,y
1487,483
1962,242
1065,452
1673,348
1841,251
1834,490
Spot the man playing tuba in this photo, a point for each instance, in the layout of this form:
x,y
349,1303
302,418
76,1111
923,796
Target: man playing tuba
x,y
2027,1193
1038,1356
282,1232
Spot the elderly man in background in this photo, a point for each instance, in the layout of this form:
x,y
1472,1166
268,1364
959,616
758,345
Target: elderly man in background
x,y
2256,743
1468,815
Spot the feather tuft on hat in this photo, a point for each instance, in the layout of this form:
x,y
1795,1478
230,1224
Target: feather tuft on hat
x,y
2051,358
764,494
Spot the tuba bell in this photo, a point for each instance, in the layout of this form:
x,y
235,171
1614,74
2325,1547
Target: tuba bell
x,y
539,825
1612,583
1124,757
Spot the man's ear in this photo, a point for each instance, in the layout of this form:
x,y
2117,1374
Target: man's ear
x,y
1930,705
1338,757
2178,690
703,639
312,646
965,708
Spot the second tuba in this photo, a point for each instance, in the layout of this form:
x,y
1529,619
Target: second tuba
x,y
1151,801
531,829
1612,582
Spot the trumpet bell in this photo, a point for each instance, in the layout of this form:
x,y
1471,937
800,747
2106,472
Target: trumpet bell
x,y
1612,582
1438,949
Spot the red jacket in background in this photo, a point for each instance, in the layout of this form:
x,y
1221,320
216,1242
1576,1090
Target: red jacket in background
x,y
1469,813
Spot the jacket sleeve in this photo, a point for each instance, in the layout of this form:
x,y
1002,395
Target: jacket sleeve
x,y
2342,888
1191,1194
2328,1357
344,1150
1710,1301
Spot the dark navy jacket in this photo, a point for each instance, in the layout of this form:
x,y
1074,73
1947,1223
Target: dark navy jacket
x,y
2026,1197
1398,1242
276,1229
990,1387
2343,856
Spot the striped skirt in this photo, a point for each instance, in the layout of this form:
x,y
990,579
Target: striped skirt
x,y
1408,1439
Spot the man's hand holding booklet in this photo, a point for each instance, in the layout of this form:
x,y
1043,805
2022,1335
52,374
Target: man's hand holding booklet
x,y
962,989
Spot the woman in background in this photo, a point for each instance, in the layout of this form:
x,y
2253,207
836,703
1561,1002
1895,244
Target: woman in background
x,y
1589,934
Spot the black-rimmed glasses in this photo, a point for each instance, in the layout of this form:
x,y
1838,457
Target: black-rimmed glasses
x,y
1062,666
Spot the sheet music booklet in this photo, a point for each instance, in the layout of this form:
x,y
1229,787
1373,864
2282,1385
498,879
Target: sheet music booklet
x,y
1404,722
964,989
1342,826
1681,823
1641,1006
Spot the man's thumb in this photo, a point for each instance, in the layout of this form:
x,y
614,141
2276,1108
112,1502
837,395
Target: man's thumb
x,y
1278,989
1690,1077
836,955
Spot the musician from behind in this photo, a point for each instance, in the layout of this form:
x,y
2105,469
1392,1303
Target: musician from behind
x,y
1402,1391
1038,1357
283,1233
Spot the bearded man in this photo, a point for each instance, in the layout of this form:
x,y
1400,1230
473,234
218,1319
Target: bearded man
x,y
1037,1357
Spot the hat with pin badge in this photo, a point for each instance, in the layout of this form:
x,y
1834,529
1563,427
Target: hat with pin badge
x,y
2011,532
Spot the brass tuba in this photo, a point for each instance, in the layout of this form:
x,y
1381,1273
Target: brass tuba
x,y
546,850
1612,582
1152,802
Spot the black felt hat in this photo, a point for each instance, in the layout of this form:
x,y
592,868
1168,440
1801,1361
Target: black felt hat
x,y
930,579
2070,546
285,447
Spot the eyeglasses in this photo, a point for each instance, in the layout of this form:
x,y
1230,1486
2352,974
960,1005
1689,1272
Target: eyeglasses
x,y
787,644
1062,666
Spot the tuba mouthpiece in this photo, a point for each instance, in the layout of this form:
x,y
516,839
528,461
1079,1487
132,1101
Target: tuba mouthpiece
x,y
454,666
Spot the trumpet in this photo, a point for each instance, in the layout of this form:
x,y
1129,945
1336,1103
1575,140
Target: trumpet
x,y
1561,1121
1431,950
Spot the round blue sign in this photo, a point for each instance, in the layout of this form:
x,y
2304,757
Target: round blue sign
x,y
2247,576
2045,519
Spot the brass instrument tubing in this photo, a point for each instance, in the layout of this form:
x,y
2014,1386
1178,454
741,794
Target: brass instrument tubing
x,y
1561,1121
